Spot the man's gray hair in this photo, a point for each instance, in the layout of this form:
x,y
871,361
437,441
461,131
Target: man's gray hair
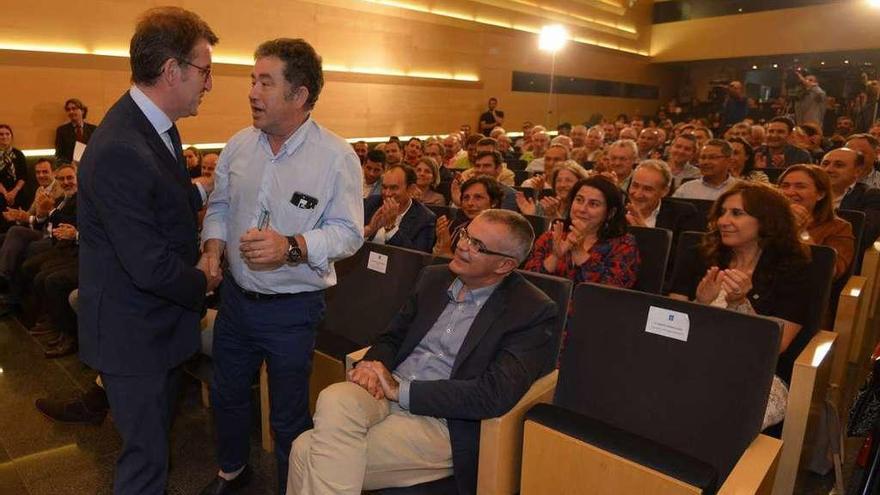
x,y
522,235
660,167
628,144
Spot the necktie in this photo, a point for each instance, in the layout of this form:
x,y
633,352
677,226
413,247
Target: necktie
x,y
176,144
79,133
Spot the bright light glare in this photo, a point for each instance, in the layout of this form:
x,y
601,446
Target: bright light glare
x,y
874,3
552,38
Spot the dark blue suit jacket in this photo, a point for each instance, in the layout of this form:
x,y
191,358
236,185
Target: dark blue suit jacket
x,y
417,228
140,295
509,343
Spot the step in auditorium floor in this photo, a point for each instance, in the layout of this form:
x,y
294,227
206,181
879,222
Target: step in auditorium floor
x,y
38,456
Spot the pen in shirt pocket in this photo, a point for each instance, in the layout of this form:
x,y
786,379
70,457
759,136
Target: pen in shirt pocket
x,y
264,220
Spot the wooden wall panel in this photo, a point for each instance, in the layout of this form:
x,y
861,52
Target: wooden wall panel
x,y
345,32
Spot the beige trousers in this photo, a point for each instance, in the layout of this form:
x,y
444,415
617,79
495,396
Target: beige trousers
x,y
360,443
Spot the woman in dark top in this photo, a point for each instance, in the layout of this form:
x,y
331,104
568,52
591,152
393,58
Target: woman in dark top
x,y
744,162
751,261
592,244
477,194
13,170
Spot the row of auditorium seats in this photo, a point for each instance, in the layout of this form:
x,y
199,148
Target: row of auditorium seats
x,y
374,283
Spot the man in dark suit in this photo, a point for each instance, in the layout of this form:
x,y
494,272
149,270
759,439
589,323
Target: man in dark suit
x,y
844,167
141,293
466,346
395,218
67,135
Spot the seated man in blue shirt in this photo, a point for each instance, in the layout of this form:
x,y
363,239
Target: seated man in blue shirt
x,y
396,218
466,346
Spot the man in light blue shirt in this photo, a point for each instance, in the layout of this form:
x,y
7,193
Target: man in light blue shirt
x,y
715,162
286,205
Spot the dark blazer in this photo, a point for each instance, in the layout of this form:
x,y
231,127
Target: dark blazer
x,y
508,344
416,229
65,139
140,295
867,200
63,212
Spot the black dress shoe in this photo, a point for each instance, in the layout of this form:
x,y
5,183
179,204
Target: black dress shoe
x,y
66,347
220,486
71,411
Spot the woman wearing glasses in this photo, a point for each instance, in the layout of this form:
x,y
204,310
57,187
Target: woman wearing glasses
x,y
592,244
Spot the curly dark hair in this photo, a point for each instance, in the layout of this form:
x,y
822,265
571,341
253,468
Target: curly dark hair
x,y
615,211
302,65
777,232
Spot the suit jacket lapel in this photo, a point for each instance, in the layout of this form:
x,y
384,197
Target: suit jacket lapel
x,y
492,310
155,141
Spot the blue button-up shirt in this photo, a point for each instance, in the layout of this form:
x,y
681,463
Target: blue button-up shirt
x,y
434,357
250,178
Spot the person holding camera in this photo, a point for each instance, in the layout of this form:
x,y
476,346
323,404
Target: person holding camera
x,y
810,105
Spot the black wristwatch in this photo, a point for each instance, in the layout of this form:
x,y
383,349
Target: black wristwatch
x,y
294,253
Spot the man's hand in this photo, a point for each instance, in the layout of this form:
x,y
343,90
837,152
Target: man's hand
x,y
390,387
45,205
264,249
64,232
10,196
206,182
209,264
364,375
633,217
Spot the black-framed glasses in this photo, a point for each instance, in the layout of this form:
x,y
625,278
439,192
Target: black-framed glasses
x,y
205,71
478,245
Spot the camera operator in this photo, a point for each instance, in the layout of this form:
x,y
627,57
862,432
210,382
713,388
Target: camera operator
x,y
810,104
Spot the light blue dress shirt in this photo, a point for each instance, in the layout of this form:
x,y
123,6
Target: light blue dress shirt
x,y
249,179
434,357
155,115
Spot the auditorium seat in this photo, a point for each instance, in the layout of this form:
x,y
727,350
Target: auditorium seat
x,y
654,245
703,206
372,286
857,220
666,410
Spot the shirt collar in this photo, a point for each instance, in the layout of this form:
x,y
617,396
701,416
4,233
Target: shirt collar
x,y
294,141
474,296
720,186
154,114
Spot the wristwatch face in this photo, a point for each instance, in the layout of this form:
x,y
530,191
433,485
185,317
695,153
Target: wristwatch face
x,y
294,254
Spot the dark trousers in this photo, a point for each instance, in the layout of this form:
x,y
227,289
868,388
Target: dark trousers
x,y
58,285
142,407
246,332
13,249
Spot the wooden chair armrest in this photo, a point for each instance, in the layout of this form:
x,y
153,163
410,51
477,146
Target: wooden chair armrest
x,y
850,334
813,361
756,469
354,357
501,441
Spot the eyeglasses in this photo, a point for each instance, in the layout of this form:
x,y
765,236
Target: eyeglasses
x,y
478,245
205,71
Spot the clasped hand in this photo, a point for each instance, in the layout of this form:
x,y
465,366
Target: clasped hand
x,y
209,264
736,284
375,378
64,232
263,249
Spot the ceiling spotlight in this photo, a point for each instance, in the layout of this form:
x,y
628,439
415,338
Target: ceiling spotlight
x,y
754,67
846,61
552,38
822,63
775,66
874,3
